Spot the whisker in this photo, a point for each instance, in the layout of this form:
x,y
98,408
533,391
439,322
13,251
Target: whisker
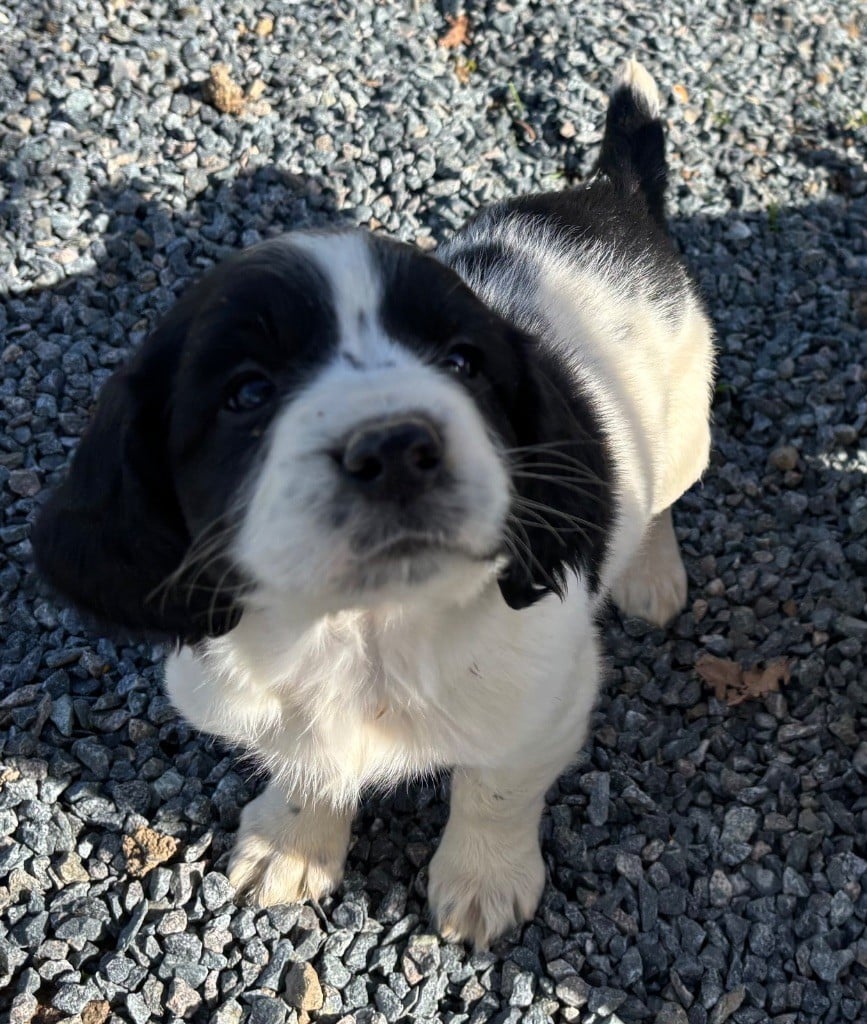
x,y
198,559
565,530
201,547
555,444
530,503
545,525
567,462
527,547
212,610
569,485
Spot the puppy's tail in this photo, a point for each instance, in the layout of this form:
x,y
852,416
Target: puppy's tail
x,y
633,147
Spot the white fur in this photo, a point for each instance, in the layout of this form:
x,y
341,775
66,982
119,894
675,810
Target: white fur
x,y
338,686
639,80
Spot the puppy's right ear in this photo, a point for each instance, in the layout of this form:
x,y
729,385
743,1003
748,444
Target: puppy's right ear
x,y
113,532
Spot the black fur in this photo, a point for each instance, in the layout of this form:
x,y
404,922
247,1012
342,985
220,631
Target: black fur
x,y
633,147
161,461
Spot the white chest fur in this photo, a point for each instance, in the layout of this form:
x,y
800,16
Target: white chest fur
x,y
361,699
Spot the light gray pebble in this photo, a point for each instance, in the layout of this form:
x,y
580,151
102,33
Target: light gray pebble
x,y
216,890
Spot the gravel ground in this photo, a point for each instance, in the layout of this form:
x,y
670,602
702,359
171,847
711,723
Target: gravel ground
x,y
708,862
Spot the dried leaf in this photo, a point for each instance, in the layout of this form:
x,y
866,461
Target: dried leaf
x,y
722,675
734,685
680,91
458,33
760,681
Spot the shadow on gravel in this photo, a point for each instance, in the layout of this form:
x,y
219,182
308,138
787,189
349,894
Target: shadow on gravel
x,y
774,543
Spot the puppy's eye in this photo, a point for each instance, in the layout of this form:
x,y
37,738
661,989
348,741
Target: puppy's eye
x,y
463,359
248,391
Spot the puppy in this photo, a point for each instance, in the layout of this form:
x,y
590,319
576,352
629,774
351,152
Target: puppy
x,y
377,498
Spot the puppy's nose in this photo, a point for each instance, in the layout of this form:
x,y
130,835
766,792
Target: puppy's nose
x,y
394,459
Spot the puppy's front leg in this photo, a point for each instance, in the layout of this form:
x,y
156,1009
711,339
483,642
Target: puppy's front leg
x,y
488,874
653,585
287,849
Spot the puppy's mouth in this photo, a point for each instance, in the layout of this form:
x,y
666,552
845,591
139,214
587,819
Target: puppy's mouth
x,y
412,546
408,559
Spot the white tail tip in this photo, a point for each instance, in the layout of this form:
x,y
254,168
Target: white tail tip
x,y
635,77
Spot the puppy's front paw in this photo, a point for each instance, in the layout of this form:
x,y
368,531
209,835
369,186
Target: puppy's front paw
x,y
478,889
284,854
653,587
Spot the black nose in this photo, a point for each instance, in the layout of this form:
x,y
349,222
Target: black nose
x,y
394,459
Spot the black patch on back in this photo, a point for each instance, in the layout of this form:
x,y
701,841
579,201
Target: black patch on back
x,y
493,270
613,212
483,260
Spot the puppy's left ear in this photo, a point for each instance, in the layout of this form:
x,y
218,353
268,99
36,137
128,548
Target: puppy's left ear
x,y
113,532
562,506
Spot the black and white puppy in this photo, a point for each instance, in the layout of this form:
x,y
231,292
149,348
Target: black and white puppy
x,y
377,498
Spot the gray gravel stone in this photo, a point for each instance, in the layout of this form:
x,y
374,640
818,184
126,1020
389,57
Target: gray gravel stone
x,y
216,891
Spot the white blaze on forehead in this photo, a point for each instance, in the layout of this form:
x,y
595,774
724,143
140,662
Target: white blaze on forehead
x,y
346,261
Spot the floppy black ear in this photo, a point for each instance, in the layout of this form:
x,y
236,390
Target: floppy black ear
x,y
113,532
562,509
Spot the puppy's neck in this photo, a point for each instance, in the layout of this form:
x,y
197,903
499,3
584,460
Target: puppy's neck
x,y
277,643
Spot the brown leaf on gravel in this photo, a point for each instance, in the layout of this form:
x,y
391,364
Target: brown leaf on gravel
x,y
145,849
721,675
760,681
734,684
222,92
680,91
458,33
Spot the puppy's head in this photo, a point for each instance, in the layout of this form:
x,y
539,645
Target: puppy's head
x,y
330,420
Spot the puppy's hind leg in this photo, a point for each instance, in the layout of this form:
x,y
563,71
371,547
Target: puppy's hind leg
x,y
653,585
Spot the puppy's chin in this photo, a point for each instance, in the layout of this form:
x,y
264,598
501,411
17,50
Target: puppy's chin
x,y
411,568
406,574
